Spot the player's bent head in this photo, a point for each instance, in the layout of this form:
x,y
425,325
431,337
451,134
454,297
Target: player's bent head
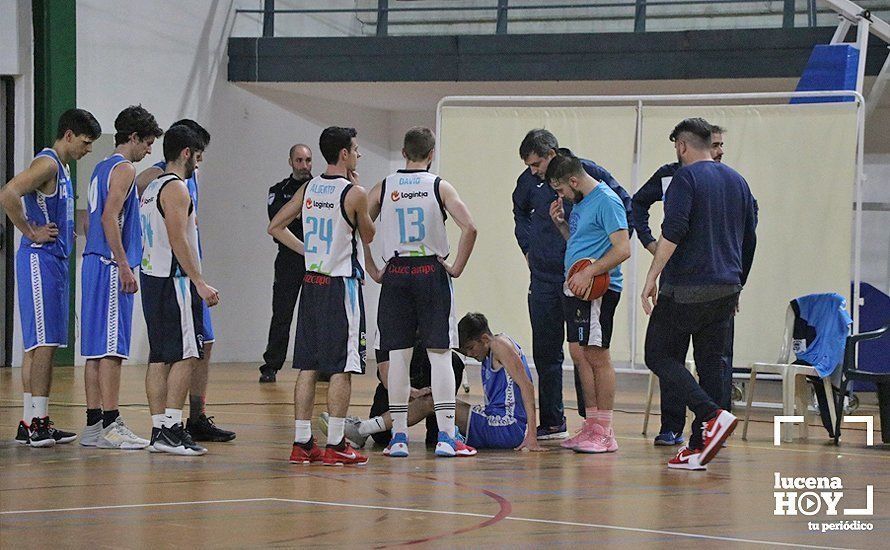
x,y
474,335
197,128
80,123
538,141
695,132
419,144
177,140
135,120
563,168
333,140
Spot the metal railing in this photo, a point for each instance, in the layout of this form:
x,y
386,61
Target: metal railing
x,y
502,8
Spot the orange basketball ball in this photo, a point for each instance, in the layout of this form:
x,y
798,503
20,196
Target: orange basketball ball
x,y
600,282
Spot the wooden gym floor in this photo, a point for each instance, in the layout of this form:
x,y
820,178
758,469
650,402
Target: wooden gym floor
x,y
245,493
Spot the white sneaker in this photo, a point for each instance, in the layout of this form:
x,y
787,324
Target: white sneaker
x,y
119,436
90,435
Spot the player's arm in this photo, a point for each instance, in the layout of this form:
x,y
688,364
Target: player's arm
x,y
374,200
371,268
278,227
505,353
464,220
663,253
36,177
357,206
145,177
119,183
174,200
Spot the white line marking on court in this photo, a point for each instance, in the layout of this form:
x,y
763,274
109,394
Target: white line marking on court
x,y
424,511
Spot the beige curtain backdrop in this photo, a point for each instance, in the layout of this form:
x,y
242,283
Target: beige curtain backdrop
x,y
479,155
799,161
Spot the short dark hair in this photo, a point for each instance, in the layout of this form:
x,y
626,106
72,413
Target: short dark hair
x,y
538,141
178,138
471,327
79,121
419,143
333,140
203,134
717,129
562,167
135,119
697,130
293,148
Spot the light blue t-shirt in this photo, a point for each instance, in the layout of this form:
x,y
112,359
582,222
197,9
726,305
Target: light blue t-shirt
x,y
592,220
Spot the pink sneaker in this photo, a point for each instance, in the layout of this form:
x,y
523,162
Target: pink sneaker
x,y
608,441
580,435
593,441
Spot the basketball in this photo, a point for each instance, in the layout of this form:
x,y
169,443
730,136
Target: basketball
x,y
600,282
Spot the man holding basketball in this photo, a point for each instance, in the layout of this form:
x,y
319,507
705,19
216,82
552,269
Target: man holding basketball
x,y
596,229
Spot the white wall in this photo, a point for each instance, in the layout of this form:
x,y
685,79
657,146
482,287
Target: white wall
x,y
875,224
176,67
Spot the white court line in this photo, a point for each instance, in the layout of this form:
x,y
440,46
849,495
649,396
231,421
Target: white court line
x,y
423,511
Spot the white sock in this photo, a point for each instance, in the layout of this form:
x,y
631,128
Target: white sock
x,y
335,430
302,431
26,407
39,406
157,421
399,386
372,426
172,417
442,375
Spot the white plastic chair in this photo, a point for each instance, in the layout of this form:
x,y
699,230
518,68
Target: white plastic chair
x,y
794,391
690,366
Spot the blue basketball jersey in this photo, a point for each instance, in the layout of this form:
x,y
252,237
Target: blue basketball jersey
x,y
192,184
57,208
502,396
128,219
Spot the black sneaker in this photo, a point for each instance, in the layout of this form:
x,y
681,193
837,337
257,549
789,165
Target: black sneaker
x,y
177,440
204,429
155,433
40,434
267,375
60,436
23,434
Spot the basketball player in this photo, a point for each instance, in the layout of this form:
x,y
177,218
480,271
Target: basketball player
x,y
40,202
330,336
199,424
416,294
172,290
597,228
113,250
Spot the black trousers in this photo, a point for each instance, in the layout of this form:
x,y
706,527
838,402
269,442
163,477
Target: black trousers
x,y
673,410
289,271
709,326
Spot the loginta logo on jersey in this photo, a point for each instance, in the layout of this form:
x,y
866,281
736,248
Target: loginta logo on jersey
x,y
310,204
397,195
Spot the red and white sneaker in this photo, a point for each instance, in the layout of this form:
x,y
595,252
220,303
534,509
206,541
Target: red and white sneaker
x,y
299,455
687,460
714,433
342,455
453,446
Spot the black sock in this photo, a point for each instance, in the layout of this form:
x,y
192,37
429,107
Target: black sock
x,y
93,416
196,407
108,417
